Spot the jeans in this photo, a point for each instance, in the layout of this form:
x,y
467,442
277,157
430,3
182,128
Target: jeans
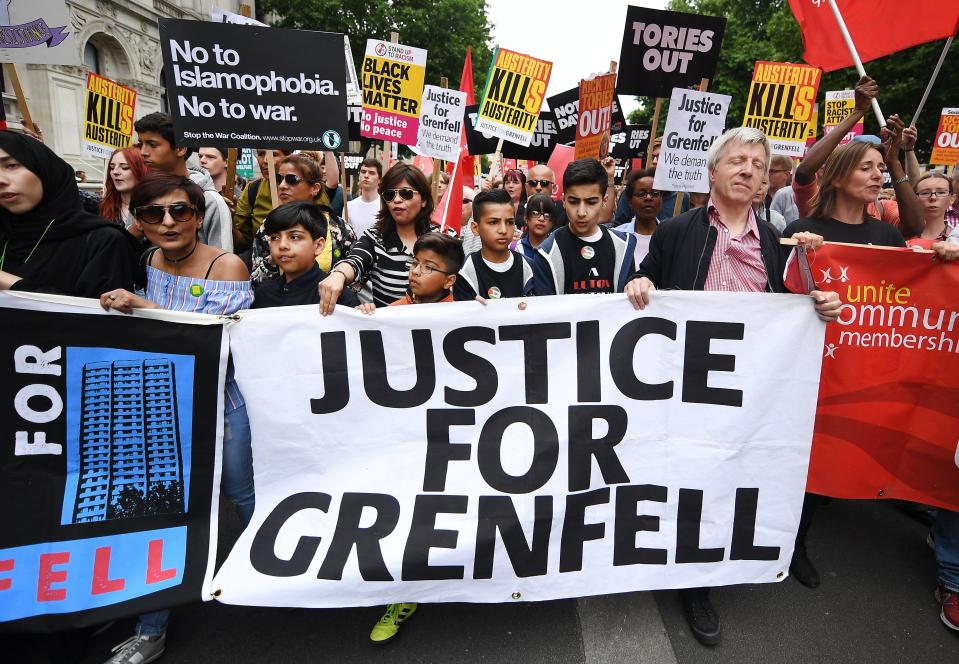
x,y
946,536
236,483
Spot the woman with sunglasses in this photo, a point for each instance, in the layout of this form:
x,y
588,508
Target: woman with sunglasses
x,y
382,256
184,274
299,178
126,169
48,243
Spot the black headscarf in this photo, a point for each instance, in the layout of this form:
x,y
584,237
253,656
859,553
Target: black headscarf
x,y
60,202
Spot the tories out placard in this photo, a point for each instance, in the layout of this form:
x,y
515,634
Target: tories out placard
x,y
234,84
695,120
595,116
837,106
513,95
945,149
533,454
109,470
108,117
441,123
663,50
780,104
393,77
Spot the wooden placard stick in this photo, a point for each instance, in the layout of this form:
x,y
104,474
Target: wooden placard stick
x,y
792,242
271,173
232,154
346,214
497,164
10,70
655,123
678,207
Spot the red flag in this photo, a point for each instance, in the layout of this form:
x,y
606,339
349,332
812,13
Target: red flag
x,y
424,163
448,214
466,85
887,422
877,28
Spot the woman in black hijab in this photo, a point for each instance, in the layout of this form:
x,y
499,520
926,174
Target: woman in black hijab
x,y
48,243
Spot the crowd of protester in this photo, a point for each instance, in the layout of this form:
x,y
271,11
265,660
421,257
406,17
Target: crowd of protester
x,y
169,236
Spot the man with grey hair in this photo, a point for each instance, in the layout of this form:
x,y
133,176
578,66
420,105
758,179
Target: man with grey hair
x,y
722,247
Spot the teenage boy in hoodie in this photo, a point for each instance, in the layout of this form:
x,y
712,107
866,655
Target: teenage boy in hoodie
x,y
161,154
583,256
296,232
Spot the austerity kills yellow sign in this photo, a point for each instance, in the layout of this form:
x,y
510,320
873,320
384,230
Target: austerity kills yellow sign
x,y
513,95
780,104
108,123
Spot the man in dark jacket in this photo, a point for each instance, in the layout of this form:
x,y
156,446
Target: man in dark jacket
x,y
722,247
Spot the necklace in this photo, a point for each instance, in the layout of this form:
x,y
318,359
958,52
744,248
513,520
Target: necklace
x,y
3,256
176,261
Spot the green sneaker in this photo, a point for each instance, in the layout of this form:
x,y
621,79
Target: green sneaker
x,y
389,625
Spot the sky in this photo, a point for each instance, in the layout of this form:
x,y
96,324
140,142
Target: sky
x,y
578,42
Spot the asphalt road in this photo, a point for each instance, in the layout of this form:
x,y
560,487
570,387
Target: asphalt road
x,y
875,605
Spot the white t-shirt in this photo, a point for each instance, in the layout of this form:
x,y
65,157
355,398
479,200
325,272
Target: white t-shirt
x,y
642,241
362,214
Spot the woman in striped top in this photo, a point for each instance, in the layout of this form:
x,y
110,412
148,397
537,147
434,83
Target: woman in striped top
x,y
183,274
382,255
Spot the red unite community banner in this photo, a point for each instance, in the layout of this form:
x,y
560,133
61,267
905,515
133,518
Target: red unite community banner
x,y
887,424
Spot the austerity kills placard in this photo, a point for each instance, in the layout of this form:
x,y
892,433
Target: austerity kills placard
x,y
595,116
393,77
838,105
565,107
695,120
111,428
540,146
512,97
235,84
780,104
663,50
441,123
945,149
533,453
108,117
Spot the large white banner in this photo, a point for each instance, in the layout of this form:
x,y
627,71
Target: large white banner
x,y
526,450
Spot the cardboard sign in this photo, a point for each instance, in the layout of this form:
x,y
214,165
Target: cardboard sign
x,y
235,84
441,122
632,143
393,77
695,120
565,107
223,16
33,32
838,105
353,90
945,149
780,104
246,165
108,117
595,116
513,95
539,149
663,50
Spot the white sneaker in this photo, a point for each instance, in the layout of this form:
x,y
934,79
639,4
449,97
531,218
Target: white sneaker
x,y
139,649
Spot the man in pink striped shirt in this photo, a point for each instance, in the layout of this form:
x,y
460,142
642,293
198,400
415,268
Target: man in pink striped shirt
x,y
722,247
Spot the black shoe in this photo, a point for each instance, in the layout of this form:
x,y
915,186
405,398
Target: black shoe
x,y
702,618
803,570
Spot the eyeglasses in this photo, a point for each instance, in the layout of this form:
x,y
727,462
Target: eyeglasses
x,y
290,179
541,215
938,193
647,193
539,183
780,170
405,194
154,214
424,267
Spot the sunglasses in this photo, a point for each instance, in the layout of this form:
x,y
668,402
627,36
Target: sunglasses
x,y
405,194
539,183
154,214
289,178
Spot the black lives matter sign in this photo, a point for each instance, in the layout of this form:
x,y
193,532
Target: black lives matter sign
x,y
663,50
244,86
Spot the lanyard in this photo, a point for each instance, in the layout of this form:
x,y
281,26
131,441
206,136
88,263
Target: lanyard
x,y
3,256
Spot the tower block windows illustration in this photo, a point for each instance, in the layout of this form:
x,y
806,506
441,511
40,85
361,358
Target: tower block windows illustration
x,y
130,450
